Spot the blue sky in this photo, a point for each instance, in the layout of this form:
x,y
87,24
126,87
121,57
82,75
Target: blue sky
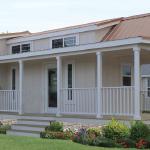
x,y
39,15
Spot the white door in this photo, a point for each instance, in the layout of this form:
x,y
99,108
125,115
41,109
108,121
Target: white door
x,y
51,88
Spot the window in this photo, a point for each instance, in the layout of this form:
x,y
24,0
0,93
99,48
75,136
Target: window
x,y
69,81
15,49
148,87
64,42
25,48
57,43
69,41
126,75
13,79
20,48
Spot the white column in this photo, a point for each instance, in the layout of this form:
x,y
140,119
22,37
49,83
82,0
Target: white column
x,y
20,85
137,112
99,84
59,81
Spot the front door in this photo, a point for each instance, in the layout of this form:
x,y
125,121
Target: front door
x,y
52,89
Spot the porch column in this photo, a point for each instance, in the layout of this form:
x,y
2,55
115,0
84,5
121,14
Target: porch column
x,y
99,84
137,111
59,80
20,85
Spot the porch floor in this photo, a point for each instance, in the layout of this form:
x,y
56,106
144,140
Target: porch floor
x,y
8,115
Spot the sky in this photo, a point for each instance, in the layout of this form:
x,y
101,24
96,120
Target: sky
x,y
40,15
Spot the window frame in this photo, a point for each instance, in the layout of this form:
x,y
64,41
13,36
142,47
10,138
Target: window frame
x,y
63,37
31,47
22,49
58,39
122,75
14,46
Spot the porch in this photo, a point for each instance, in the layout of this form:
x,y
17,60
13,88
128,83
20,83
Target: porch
x,y
100,94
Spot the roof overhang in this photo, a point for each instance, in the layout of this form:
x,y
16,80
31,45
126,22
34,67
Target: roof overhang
x,y
81,49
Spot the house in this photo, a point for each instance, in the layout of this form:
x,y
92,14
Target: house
x,y
96,70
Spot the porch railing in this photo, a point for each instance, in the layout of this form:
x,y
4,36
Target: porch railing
x,y
118,101
78,101
145,100
9,100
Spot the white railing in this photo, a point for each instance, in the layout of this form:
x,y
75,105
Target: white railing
x,y
78,101
118,101
145,101
9,100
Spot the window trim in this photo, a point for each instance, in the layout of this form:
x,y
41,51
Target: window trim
x,y
63,37
121,77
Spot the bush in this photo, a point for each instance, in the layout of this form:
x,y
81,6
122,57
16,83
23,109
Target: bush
x,y
105,142
143,144
139,130
127,143
115,130
55,126
81,136
56,135
4,128
95,131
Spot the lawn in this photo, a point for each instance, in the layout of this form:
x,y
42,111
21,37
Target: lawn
x,y
28,143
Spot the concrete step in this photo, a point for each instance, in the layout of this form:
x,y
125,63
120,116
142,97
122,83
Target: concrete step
x,y
37,118
23,133
27,127
33,122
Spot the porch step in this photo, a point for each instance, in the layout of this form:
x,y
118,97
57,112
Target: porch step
x,y
23,133
33,122
27,126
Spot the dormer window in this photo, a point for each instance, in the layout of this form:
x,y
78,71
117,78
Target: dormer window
x,y
69,41
64,42
15,49
25,48
21,48
57,43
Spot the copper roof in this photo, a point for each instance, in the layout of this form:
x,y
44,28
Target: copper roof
x,y
134,26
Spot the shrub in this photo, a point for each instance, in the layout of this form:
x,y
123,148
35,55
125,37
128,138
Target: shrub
x,y
80,136
126,143
105,142
56,135
95,131
4,128
139,130
115,130
55,126
142,144
86,136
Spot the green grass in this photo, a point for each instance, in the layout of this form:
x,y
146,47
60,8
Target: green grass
x,y
28,143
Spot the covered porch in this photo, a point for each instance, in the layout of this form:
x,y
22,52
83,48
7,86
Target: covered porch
x,y
99,83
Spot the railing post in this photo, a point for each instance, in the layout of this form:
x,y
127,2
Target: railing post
x,y
137,110
59,80
99,84
20,85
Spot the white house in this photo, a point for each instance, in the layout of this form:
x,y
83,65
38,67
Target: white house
x,y
96,70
